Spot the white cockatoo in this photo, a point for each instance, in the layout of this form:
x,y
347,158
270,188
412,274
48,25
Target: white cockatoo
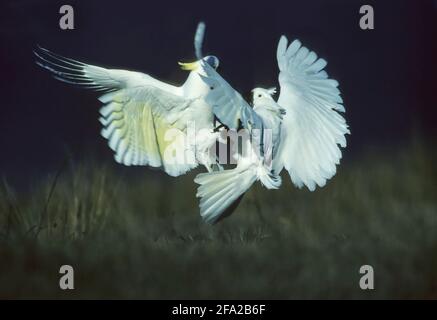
x,y
301,132
147,121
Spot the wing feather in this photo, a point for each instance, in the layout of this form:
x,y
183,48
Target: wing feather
x,y
312,130
95,77
138,113
136,125
227,104
198,40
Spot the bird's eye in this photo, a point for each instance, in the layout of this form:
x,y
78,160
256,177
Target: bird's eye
x,y
259,96
212,88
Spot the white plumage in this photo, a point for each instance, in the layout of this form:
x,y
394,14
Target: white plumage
x,y
146,120
312,130
306,130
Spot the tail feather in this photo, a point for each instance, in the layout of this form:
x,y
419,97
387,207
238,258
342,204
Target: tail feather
x,y
214,185
214,209
212,198
218,190
267,179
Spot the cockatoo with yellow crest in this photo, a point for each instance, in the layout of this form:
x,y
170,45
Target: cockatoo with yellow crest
x,y
147,121
302,131
150,122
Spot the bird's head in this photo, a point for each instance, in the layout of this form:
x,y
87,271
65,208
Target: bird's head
x,y
213,61
262,95
263,100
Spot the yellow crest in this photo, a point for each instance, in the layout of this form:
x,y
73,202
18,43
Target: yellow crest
x,y
190,66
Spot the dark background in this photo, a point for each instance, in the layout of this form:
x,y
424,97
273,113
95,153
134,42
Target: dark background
x,y
136,233
387,75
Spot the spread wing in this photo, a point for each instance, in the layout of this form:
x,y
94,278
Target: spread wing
x,y
143,126
312,130
227,104
198,40
94,77
142,116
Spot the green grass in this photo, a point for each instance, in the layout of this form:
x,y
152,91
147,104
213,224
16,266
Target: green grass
x,y
142,237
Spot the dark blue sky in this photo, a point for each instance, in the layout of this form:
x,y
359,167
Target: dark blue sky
x,y
387,75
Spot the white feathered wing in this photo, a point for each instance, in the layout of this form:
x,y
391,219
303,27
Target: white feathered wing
x,y
142,117
312,129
